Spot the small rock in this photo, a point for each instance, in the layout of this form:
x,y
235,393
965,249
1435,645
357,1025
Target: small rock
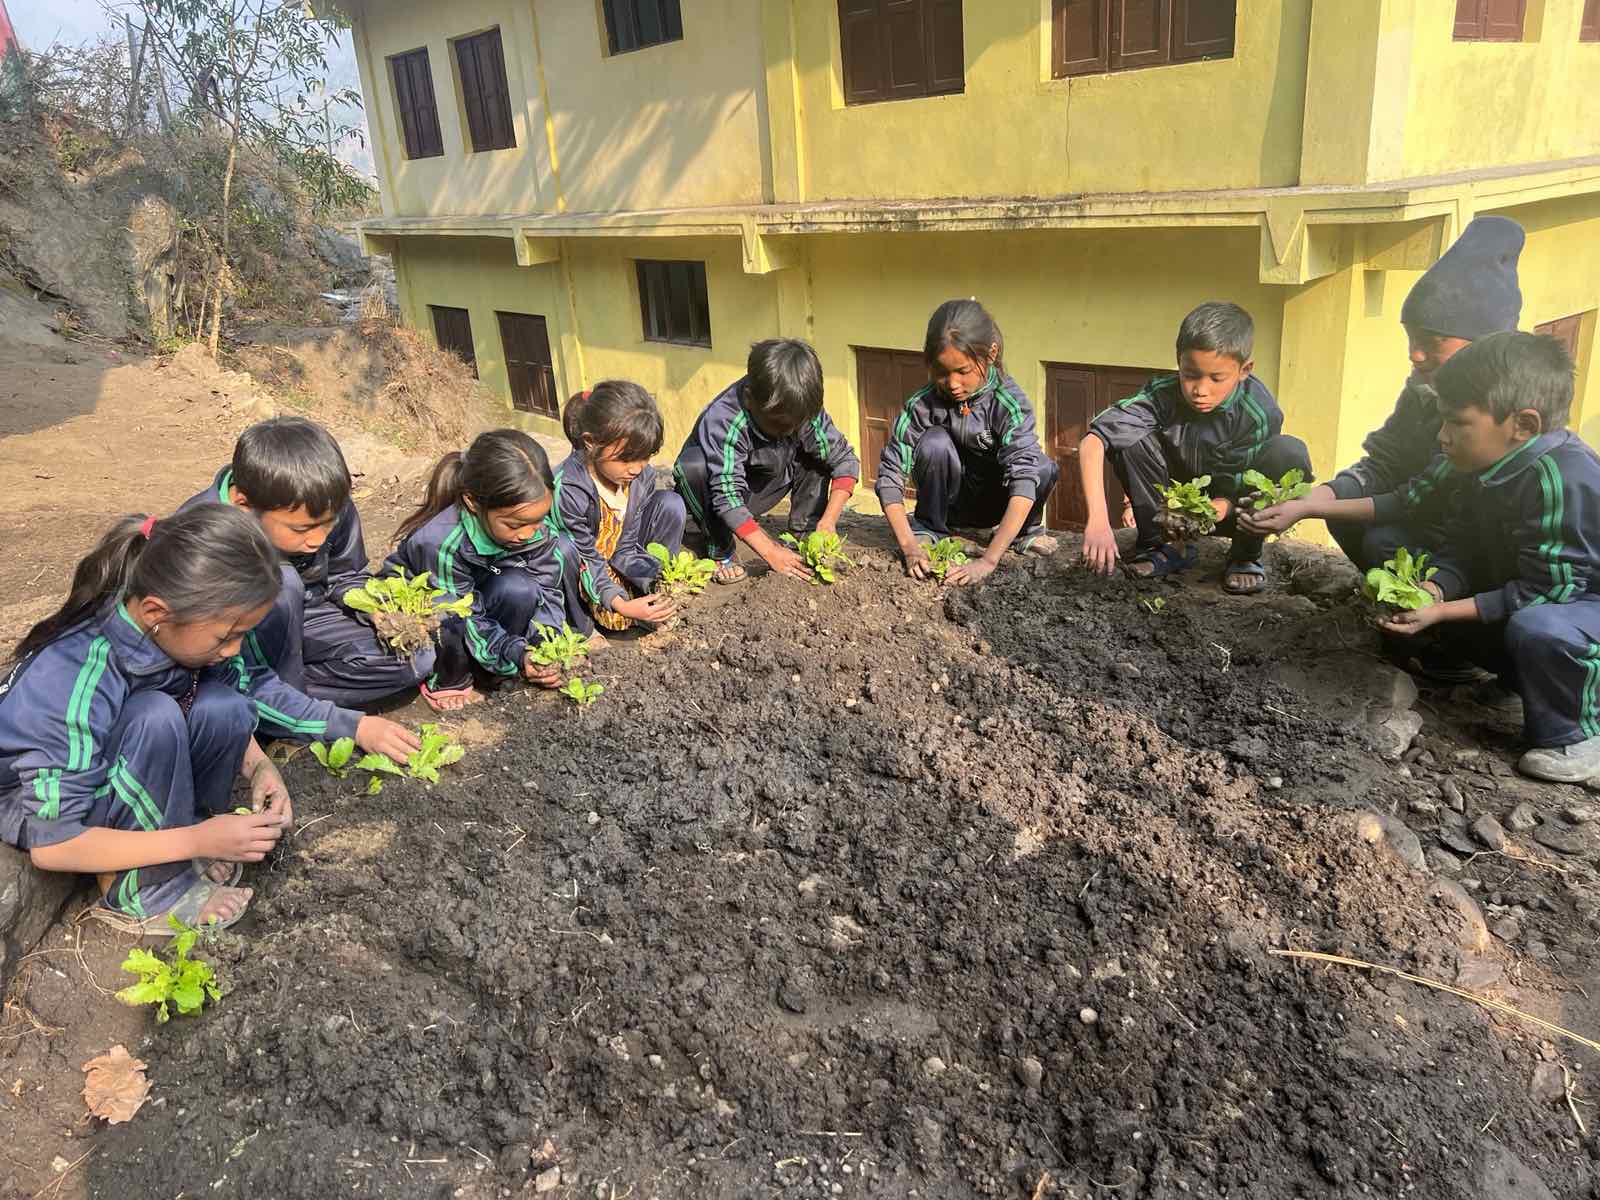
x,y
1030,1072
1274,783
1474,935
1391,732
933,1066
1562,841
1443,861
547,1181
1489,832
1459,842
1424,807
1478,974
1126,670
1580,814
1506,929
1450,790
655,1061
1396,834
1088,1016
1522,818
1549,1085
593,818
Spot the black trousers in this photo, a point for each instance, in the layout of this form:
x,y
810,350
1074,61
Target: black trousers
x,y
967,492
806,486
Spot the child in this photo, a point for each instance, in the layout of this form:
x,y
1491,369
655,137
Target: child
x,y
481,529
968,445
289,473
1521,560
1212,418
126,715
1469,293
607,503
764,438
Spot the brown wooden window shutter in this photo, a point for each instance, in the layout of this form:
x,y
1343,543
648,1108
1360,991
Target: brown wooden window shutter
x,y
529,367
1565,330
1589,31
413,96
901,49
452,329
484,91
1489,20
674,303
635,24
1090,37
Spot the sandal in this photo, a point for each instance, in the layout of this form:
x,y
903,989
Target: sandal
x,y
1041,544
187,909
203,865
437,698
1165,559
729,571
1253,571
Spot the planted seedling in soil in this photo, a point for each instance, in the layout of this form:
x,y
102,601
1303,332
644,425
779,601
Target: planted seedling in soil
x,y
822,552
1188,515
182,982
564,649
1267,494
682,574
1152,604
944,554
1396,587
336,760
582,694
405,610
438,750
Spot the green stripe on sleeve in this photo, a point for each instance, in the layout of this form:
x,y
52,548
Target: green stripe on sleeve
x,y
1551,548
688,495
80,740
1015,412
446,573
284,721
47,791
735,427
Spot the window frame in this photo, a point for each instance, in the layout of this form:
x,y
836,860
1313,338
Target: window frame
x,y
1477,26
669,14
872,22
485,84
1108,57
452,312
1589,25
403,66
655,278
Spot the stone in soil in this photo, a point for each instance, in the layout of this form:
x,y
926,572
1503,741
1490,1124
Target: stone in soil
x,y
1559,838
30,900
1450,790
1522,818
1489,832
1458,842
1549,1085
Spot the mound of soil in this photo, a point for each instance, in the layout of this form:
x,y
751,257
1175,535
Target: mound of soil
x,y
864,890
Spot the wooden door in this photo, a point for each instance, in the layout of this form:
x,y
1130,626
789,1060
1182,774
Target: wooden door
x,y
1074,393
885,380
529,365
452,329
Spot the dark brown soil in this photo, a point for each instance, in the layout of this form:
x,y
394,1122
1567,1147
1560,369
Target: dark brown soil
x,y
709,937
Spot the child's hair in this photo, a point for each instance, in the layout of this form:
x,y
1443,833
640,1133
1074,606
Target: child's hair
x,y
964,325
501,469
785,380
288,462
203,561
1507,372
1220,327
615,412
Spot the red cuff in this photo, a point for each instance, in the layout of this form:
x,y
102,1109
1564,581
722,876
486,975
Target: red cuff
x,y
844,483
745,530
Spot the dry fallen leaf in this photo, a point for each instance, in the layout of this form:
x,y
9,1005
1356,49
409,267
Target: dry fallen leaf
x,y
116,1087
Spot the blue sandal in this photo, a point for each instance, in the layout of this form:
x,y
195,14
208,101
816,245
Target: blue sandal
x,y
1166,560
1254,570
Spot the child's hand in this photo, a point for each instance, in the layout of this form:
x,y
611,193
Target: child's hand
x,y
238,838
1222,507
785,561
826,526
378,735
918,564
969,573
1276,519
546,675
268,793
651,609
1100,548
1413,621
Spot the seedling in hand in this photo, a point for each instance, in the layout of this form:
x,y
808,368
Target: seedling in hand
x,y
405,610
183,982
1269,494
822,552
1188,514
582,694
564,649
1396,586
944,554
682,574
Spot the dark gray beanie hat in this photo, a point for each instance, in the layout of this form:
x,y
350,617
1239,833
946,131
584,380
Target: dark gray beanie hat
x,y
1472,290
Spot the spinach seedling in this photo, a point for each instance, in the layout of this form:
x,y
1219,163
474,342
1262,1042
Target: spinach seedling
x,y
335,759
405,610
438,750
682,574
822,552
1152,604
944,554
183,982
1397,585
565,649
1269,493
1188,514
582,694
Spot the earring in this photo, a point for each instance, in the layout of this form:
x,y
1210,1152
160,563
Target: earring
x,y
154,629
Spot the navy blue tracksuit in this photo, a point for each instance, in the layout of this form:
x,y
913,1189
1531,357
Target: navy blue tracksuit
x,y
1155,437
512,592
653,515
729,472
309,638
966,459
101,729
1524,542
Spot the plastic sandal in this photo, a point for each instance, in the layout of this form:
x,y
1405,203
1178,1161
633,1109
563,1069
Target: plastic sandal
x,y
1254,570
187,909
1165,559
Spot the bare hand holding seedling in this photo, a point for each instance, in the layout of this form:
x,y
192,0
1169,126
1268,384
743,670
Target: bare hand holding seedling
x,y
784,561
918,563
1276,519
651,609
238,838
545,675
969,573
268,793
378,735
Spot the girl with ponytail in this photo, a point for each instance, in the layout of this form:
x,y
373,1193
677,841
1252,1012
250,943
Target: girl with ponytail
x,y
481,531
126,715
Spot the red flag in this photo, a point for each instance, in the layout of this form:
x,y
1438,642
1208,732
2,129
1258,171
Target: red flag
x,y
8,35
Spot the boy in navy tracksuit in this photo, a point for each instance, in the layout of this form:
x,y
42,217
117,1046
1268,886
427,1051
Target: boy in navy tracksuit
x,y
1213,418
290,474
764,438
1518,577
1470,293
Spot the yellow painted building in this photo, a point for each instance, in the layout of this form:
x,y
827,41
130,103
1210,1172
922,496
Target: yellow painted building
x,y
578,189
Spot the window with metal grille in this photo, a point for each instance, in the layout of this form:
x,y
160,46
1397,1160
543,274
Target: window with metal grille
x,y
452,329
532,372
635,24
1489,20
482,63
413,99
672,298
1092,37
901,49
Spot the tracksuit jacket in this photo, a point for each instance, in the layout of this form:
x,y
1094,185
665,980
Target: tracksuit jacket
x,y
994,425
652,515
1224,443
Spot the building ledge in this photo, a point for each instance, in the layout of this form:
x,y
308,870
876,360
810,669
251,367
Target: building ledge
x,y
1298,225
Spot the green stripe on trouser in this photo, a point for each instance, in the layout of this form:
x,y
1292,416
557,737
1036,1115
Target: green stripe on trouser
x,y
1589,698
127,895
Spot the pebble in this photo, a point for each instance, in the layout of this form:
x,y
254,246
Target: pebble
x,y
1030,1072
1126,670
547,1181
593,818
656,1062
1522,818
1562,841
1506,929
1458,842
1450,790
1549,1086
1443,861
1274,783
933,1066
1579,814
1490,833
1424,807
1088,1016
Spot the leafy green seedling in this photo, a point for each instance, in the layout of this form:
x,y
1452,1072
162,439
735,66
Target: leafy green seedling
x,y
944,554
582,694
682,574
405,610
335,759
438,750
1268,494
564,649
1188,514
1152,604
822,552
1397,585
183,982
